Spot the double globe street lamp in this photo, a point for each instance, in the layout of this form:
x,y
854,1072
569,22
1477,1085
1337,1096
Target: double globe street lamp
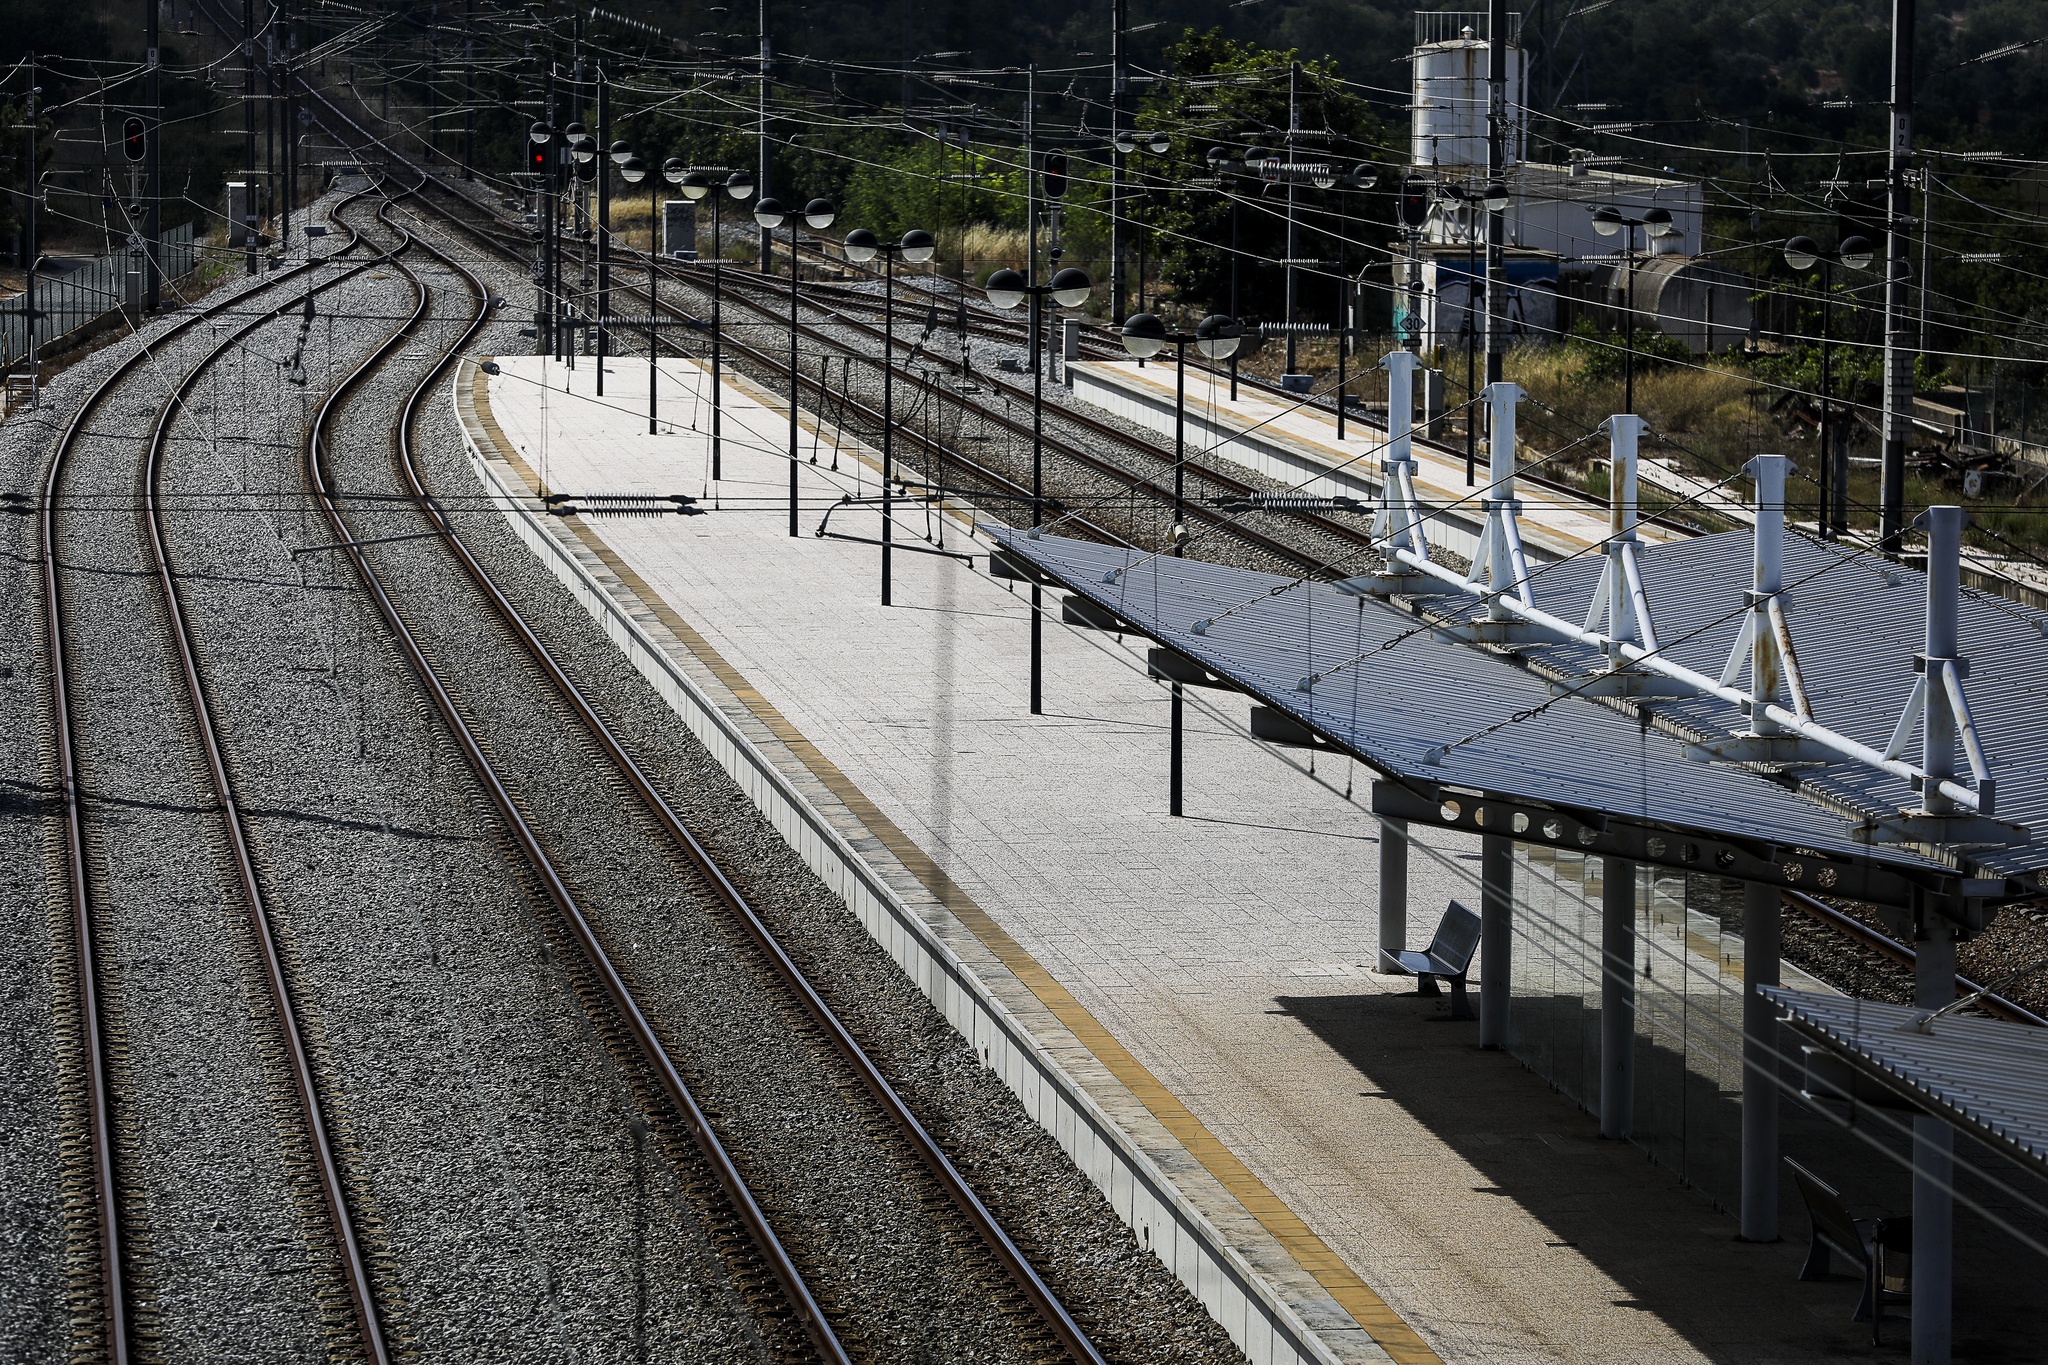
x,y
1803,254
916,247
695,186
818,215
1609,221
1069,289
1216,337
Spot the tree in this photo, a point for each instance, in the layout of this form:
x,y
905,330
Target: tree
x,y
1233,96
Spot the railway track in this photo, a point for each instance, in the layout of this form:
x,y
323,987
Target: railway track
x,y
976,1251
121,1332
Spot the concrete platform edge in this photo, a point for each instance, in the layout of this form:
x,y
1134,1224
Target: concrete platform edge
x,y
1273,1307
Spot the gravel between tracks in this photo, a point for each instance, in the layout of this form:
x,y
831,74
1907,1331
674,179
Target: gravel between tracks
x,y
193,1028
1137,1310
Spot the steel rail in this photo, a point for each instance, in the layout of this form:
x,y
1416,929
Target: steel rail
x,y
802,1302
1012,1259
297,1054
65,725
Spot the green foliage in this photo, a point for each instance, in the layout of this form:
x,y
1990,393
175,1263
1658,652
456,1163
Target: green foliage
x,y
1245,102
1603,355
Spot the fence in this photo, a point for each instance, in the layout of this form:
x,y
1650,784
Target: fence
x,y
76,299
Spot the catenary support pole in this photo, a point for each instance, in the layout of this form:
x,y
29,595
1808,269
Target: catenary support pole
x,y
795,432
1394,839
1896,421
252,216
1617,998
1496,173
888,411
1496,936
1178,718
1119,82
717,335
604,228
1759,1064
153,163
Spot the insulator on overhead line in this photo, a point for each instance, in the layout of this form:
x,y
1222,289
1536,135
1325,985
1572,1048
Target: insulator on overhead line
x,y
1289,502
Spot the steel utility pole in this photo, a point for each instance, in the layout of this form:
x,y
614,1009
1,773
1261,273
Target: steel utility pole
x,y
604,226
766,190
153,160
1119,84
1496,174
469,89
1293,248
1897,422
1031,187
251,215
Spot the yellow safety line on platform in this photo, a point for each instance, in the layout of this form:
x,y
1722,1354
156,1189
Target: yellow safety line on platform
x,y
1354,1295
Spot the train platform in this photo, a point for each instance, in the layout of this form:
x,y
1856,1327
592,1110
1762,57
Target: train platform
x,y
1413,1197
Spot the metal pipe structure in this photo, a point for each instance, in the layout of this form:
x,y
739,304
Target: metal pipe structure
x,y
1760,1052
1897,417
1400,521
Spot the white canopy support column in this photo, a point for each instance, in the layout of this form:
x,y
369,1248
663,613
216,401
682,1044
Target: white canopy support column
x,y
1617,998
1397,524
1499,560
1760,930
1618,601
1934,1204
1393,894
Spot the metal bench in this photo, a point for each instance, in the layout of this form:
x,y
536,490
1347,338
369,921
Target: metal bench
x,y
1869,1242
1448,956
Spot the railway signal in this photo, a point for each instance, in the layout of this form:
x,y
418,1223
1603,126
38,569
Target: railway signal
x,y
133,140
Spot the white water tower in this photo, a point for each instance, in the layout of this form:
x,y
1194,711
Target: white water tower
x,y
1451,67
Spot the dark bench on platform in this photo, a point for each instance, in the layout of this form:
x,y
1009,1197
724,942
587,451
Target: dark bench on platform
x,y
1448,956
1868,1242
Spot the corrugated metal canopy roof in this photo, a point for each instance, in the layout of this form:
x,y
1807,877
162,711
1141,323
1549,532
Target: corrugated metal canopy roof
x,y
1856,622
1985,1076
1420,706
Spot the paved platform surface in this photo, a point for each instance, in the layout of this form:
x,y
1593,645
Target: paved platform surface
x,y
1227,951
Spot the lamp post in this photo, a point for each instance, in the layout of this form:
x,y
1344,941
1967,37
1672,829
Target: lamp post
x,y
620,152
542,136
633,170
1216,337
819,215
1493,198
1608,221
1069,289
916,247
695,185
1126,143
1802,254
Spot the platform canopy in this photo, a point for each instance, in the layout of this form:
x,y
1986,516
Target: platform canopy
x,y
1479,739
1987,1077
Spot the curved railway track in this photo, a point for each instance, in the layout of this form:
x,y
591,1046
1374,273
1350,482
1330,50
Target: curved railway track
x,y
554,874
117,1335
